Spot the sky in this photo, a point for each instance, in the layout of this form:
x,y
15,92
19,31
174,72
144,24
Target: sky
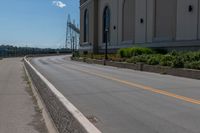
x,y
36,23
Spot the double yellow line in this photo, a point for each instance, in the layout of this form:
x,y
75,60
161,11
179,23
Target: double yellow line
x,y
139,86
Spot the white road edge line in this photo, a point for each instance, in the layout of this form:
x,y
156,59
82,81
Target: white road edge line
x,y
89,127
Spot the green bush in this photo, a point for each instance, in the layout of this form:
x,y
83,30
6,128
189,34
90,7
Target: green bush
x,y
141,51
154,60
85,52
129,52
193,56
76,54
140,58
174,53
178,62
166,60
121,53
161,51
192,65
174,59
190,56
132,60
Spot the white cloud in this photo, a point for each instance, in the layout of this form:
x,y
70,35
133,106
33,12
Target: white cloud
x,y
59,4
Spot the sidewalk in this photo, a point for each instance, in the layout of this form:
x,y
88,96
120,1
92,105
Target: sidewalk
x,y
18,110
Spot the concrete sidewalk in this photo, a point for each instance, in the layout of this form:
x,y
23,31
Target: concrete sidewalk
x,y
19,112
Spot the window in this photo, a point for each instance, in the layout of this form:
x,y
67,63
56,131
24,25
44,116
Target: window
x,y
106,24
86,26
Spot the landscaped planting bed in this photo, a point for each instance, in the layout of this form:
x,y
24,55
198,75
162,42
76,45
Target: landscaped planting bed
x,y
174,59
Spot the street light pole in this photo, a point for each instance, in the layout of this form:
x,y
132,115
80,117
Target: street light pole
x,y
106,46
73,45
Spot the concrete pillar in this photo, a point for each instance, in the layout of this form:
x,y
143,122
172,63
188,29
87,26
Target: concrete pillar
x,y
150,20
165,20
187,19
96,29
140,21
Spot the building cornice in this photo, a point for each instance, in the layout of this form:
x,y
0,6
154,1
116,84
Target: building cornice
x,y
85,3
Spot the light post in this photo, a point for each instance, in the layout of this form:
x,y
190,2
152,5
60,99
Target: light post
x,y
73,46
106,46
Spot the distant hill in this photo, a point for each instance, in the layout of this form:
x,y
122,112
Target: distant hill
x,y
13,51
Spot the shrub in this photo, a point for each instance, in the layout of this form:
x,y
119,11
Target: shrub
x,y
174,59
187,65
161,51
166,60
154,60
141,51
178,62
76,54
129,52
132,60
195,56
192,65
140,58
124,53
85,52
174,53
143,58
186,57
121,53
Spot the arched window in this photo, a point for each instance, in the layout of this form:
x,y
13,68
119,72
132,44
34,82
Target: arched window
x,y
106,24
86,26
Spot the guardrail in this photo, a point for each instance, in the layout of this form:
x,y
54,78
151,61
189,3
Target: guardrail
x,y
67,118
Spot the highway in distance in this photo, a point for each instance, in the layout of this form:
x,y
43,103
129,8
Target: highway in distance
x,y
119,100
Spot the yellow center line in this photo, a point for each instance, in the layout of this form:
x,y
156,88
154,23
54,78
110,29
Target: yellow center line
x,y
140,86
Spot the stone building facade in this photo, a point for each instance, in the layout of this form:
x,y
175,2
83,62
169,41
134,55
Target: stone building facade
x,y
148,23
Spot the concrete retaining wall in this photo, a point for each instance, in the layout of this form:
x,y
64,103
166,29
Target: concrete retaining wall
x,y
67,118
182,72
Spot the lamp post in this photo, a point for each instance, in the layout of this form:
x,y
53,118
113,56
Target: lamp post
x,y
106,46
73,46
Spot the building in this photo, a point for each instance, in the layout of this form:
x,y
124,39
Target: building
x,y
148,23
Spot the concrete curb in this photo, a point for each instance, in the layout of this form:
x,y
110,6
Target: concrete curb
x,y
67,118
47,118
181,72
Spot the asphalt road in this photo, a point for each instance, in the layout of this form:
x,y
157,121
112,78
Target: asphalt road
x,y
126,101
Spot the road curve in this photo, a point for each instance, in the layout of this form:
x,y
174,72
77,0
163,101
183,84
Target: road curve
x,y
126,101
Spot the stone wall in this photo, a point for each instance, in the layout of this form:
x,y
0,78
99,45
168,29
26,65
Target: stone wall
x,y
181,72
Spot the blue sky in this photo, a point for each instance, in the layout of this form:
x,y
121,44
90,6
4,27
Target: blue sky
x,y
36,23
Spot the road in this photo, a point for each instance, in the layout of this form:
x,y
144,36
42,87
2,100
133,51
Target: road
x,y
126,101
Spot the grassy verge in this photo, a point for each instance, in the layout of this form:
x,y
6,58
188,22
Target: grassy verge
x,y
149,56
